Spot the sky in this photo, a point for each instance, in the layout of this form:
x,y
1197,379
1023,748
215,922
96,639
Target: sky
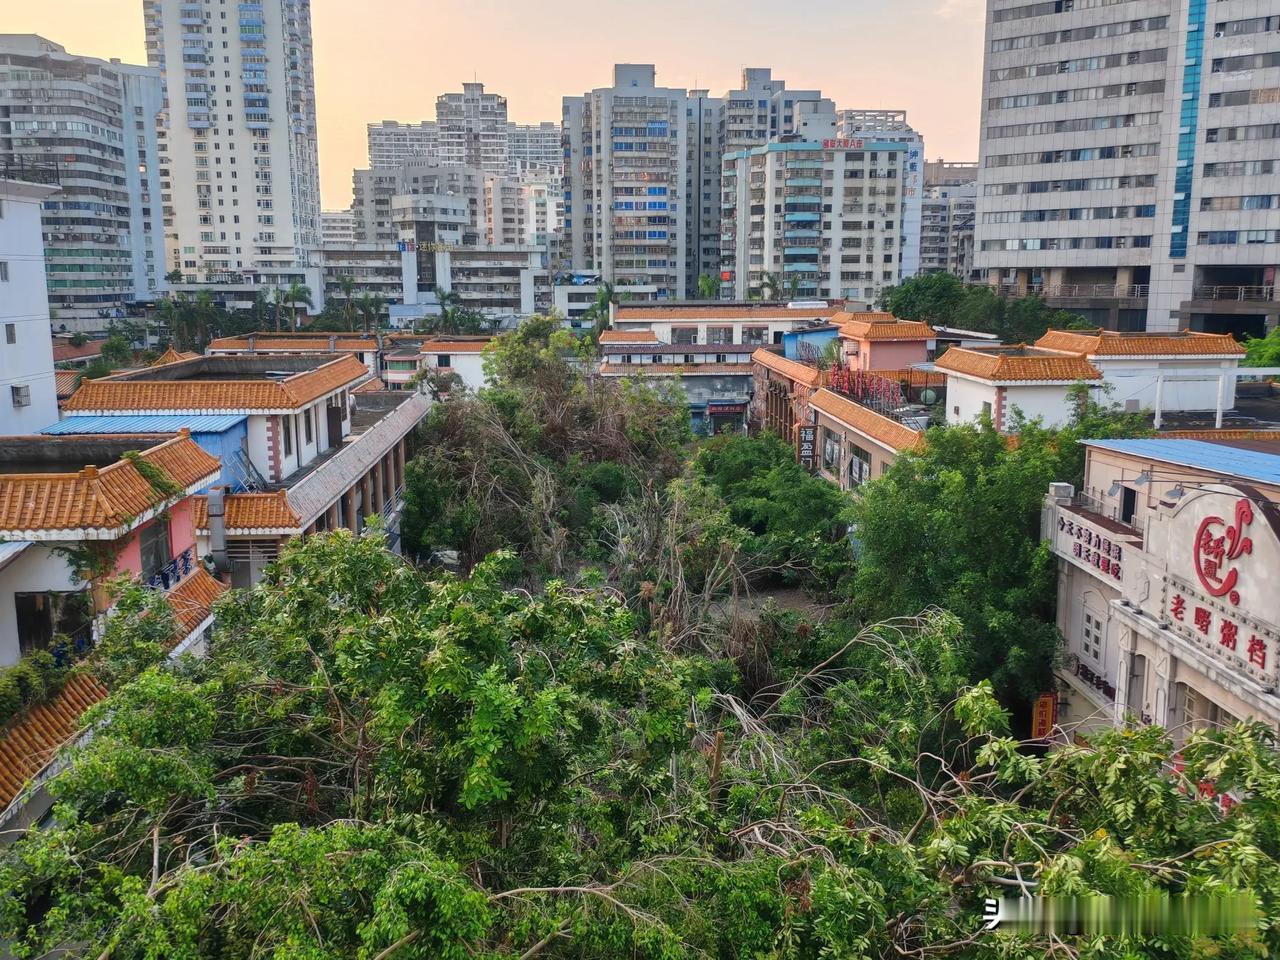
x,y
389,59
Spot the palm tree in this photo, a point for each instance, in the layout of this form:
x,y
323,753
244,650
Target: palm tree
x,y
598,312
277,301
348,286
204,315
708,287
296,294
450,303
370,306
769,286
261,309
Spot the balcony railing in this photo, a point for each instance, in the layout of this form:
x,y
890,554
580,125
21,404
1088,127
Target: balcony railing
x,y
1241,294
175,571
1121,291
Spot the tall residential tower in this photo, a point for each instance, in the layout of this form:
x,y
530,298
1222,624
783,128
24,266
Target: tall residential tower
x,y
1129,160
240,175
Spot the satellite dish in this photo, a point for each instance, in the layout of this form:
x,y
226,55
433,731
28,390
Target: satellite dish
x,y
929,396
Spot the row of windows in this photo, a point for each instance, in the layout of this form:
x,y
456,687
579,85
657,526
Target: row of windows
x,y
1070,186
1081,64
1265,201
1252,61
1140,211
1215,238
1077,125
1241,168
1093,32
1243,98
1107,92
1259,131
1240,28
1068,243
1120,152
1048,7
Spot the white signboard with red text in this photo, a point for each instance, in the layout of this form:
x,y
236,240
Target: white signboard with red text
x,y
1221,589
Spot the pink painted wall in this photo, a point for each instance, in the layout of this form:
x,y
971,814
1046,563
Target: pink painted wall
x,y
182,535
893,354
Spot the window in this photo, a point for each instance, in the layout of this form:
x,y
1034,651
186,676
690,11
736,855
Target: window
x,y
1128,504
830,452
859,465
153,544
20,394
4,271
1091,633
306,424
10,333
287,430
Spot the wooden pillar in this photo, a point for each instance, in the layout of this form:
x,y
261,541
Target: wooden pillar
x,y
379,487
349,508
331,516
399,451
366,495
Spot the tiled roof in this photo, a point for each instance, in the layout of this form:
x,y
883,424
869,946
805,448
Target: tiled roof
x,y
43,506
371,386
882,326
63,350
865,420
1017,365
192,601
1221,435
454,346
29,743
249,513
173,356
1108,343
628,336
65,382
761,312
316,343
669,369
791,369
113,394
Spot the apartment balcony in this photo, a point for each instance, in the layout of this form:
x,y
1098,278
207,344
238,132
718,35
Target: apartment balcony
x,y
175,571
798,217
1235,294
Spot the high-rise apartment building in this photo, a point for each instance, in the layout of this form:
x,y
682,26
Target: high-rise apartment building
x,y
391,143
891,126
504,211
95,121
625,156
946,230
240,175
534,146
473,130
337,226
1129,160
371,193
703,151
812,215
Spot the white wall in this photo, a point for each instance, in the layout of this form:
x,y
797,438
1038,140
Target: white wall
x,y
24,303
965,399
1048,402
468,366
36,570
1176,396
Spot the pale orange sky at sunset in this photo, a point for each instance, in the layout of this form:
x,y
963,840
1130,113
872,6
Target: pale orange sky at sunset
x,y
388,59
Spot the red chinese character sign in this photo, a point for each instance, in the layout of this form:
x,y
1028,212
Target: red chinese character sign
x,y
1218,547
1216,554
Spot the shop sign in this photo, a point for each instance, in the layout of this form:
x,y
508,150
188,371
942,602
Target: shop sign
x,y
1090,546
1044,715
807,440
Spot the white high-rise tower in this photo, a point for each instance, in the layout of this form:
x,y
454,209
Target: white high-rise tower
x,y
241,183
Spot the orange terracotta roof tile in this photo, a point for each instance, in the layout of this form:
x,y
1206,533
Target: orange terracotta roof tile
x,y
454,346
30,742
249,513
113,394
1017,364
668,369
284,343
878,427
371,386
761,312
881,326
791,369
192,601
628,336
65,382
42,506
1109,343
173,356
63,350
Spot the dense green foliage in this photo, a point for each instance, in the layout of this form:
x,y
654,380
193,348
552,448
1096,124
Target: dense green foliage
x,y
958,526
1263,351
942,299
373,764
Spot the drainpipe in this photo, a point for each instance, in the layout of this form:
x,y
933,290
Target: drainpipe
x,y
218,529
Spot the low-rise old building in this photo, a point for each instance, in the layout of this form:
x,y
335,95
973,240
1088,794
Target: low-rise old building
x,y
1167,597
754,323
1001,382
716,379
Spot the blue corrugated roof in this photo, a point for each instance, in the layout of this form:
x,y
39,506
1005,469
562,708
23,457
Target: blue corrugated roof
x,y
1218,457
145,423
